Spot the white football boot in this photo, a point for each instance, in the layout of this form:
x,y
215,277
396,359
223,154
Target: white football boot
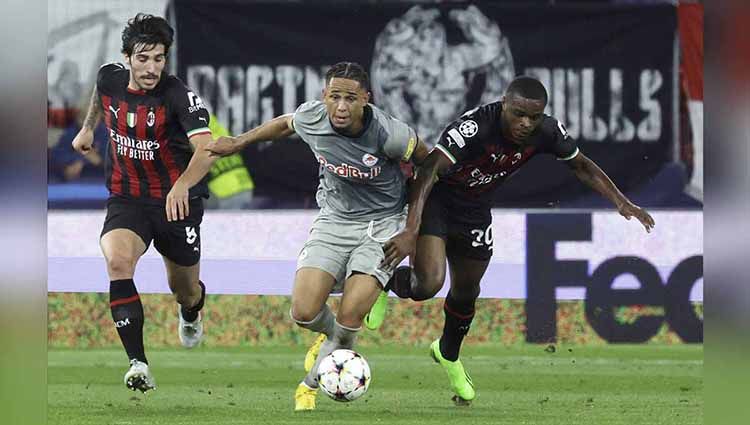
x,y
191,333
138,377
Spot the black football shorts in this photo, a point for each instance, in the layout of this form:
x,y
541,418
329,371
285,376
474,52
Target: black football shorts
x,y
467,232
179,241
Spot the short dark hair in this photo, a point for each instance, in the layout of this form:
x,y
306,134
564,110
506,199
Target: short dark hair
x,y
147,30
528,87
351,71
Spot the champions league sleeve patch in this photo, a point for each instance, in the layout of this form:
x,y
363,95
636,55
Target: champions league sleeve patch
x,y
468,128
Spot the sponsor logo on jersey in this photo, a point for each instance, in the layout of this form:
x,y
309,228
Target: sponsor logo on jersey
x,y
195,102
134,148
149,145
369,160
468,128
346,170
479,178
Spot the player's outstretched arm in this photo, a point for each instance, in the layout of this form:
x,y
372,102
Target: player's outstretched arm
x,y
85,138
404,243
277,128
589,173
178,201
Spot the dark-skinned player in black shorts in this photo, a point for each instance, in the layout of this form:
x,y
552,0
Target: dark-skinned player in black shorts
x,y
450,208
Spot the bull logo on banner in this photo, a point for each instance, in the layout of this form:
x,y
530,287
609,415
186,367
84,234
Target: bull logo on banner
x,y
426,81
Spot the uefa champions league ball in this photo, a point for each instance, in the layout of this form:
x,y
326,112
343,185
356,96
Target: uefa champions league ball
x,y
344,375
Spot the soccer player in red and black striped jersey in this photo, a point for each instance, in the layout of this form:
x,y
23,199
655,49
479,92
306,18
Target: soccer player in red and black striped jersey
x,y
155,173
449,207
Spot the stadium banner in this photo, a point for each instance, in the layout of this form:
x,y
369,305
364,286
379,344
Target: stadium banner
x,y
546,259
610,71
541,254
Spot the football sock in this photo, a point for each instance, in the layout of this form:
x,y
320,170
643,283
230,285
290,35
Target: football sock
x,y
343,337
458,317
190,314
323,322
127,313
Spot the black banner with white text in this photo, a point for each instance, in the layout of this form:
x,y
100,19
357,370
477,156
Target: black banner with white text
x,y
609,71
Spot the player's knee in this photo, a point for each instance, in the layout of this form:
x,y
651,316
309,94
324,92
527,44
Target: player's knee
x,y
350,316
428,284
302,315
349,319
120,266
422,294
465,294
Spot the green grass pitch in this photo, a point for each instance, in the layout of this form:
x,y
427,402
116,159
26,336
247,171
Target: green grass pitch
x,y
519,384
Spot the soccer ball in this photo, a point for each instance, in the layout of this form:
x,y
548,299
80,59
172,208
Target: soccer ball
x,y
344,375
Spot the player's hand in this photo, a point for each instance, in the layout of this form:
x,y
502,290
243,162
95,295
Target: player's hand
x,y
398,248
94,158
177,202
222,146
83,141
631,210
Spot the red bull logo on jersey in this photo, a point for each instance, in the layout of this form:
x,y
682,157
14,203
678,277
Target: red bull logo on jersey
x,y
350,171
134,148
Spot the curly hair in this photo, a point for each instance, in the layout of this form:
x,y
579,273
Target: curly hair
x,y
146,31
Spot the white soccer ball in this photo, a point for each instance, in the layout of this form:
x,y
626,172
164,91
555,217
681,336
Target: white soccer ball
x,y
344,375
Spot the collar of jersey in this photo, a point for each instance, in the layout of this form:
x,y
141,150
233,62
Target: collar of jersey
x,y
133,91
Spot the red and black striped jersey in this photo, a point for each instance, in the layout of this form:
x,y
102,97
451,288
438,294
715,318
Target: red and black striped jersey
x,y
483,158
149,134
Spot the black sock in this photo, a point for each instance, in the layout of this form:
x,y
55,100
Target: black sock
x,y
127,312
400,282
458,317
190,314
